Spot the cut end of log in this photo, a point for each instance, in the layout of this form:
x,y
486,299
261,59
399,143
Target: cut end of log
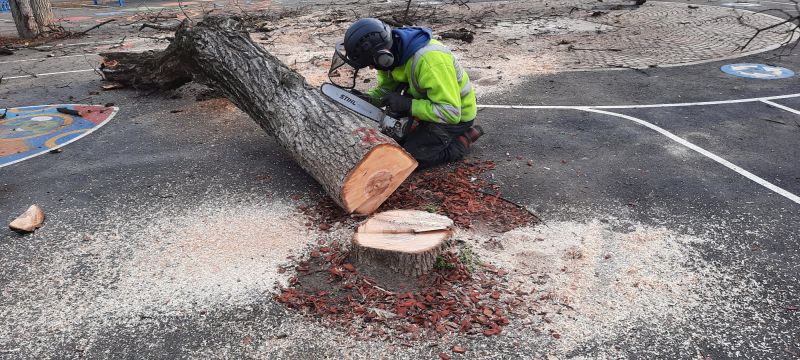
x,y
377,176
30,220
406,241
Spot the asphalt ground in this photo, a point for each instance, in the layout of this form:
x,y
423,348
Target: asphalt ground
x,y
585,165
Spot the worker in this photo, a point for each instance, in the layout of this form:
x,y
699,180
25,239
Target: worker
x,y
438,92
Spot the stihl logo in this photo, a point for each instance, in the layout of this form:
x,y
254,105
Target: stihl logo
x,y
348,99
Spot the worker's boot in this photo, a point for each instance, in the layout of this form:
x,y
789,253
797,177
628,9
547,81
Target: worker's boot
x,y
470,136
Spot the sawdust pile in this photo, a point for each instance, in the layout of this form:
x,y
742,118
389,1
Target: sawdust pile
x,y
214,256
150,262
590,283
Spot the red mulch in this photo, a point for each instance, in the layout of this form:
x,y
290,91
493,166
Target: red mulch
x,y
378,303
457,191
331,289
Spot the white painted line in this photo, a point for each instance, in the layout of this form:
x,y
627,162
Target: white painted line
x,y
570,107
78,44
782,107
46,74
45,58
113,113
645,106
703,103
705,153
780,3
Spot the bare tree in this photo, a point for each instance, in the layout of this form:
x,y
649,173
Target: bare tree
x,y
789,18
32,17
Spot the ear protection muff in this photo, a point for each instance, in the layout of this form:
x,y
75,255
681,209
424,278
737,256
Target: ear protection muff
x,y
383,58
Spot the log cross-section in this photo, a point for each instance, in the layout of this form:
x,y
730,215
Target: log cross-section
x,y
356,165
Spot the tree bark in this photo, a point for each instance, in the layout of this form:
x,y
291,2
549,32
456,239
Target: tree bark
x,y
356,165
406,241
32,17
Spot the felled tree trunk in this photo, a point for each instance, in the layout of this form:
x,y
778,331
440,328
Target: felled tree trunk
x,y
356,165
32,17
406,241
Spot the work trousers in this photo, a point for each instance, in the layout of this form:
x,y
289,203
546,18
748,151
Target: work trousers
x,y
432,144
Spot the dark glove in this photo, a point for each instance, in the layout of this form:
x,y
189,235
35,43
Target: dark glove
x,y
397,103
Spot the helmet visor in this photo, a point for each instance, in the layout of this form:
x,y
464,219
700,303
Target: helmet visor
x,y
339,74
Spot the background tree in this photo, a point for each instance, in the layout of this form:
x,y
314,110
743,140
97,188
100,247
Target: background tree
x,y
32,17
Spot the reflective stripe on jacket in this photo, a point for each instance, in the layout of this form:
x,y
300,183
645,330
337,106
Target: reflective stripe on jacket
x,y
440,87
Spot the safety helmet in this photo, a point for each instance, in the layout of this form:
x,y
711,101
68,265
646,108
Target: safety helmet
x,y
367,42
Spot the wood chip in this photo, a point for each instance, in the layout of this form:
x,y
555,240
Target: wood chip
x,y
30,220
113,86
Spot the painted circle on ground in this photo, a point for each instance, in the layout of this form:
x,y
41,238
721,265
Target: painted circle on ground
x,y
34,130
30,126
757,71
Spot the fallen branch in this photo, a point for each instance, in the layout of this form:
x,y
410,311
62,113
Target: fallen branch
x,y
96,26
160,27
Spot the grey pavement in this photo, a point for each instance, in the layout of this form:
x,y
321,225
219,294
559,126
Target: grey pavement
x,y
585,166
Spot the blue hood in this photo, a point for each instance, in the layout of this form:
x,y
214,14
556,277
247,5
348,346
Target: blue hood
x,y
407,40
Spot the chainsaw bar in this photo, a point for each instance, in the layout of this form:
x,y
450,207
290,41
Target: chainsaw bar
x,y
352,102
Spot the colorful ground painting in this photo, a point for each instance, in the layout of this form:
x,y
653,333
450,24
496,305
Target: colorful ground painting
x,y
29,131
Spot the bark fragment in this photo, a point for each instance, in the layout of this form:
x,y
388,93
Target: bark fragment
x,y
29,221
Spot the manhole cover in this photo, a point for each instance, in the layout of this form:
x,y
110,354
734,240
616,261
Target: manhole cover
x,y
757,71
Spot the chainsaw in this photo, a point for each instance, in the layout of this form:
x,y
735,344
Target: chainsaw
x,y
395,126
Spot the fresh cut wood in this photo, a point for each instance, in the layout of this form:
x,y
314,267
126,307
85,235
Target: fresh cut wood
x,y
406,241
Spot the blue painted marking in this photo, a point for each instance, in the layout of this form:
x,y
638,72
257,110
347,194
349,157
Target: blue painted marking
x,y
757,71
121,2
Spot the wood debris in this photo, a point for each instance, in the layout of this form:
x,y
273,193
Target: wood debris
x,y
29,221
457,191
328,287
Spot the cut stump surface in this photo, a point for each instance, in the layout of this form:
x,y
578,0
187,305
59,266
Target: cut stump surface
x,y
406,241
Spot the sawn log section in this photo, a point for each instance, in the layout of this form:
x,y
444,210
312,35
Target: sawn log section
x,y
406,241
356,165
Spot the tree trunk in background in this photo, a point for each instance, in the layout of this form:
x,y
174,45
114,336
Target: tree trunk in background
x,y
32,17
356,165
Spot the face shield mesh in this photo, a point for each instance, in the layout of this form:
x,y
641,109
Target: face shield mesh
x,y
339,74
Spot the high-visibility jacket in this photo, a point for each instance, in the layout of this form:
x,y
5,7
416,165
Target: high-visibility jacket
x,y
439,86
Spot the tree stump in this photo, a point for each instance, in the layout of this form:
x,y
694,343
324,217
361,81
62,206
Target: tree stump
x,y
406,241
357,166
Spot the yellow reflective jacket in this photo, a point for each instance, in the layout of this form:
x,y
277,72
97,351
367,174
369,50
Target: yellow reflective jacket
x,y
440,87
